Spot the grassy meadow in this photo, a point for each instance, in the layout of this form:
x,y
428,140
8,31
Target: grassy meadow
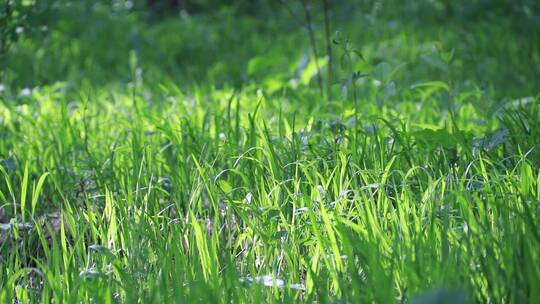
x,y
215,156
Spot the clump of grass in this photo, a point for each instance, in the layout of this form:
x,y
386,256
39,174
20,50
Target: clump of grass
x,y
208,201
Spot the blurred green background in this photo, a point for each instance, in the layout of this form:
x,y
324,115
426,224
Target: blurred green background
x,y
493,45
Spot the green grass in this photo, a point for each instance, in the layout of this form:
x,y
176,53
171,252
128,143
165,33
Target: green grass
x,y
424,188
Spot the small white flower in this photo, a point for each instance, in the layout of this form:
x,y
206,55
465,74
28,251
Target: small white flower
x,y
2,87
19,29
248,198
25,92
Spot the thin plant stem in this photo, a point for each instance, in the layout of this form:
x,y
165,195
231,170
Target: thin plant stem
x,y
311,34
330,79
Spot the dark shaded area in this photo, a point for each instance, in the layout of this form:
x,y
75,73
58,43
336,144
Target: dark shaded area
x,y
493,43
